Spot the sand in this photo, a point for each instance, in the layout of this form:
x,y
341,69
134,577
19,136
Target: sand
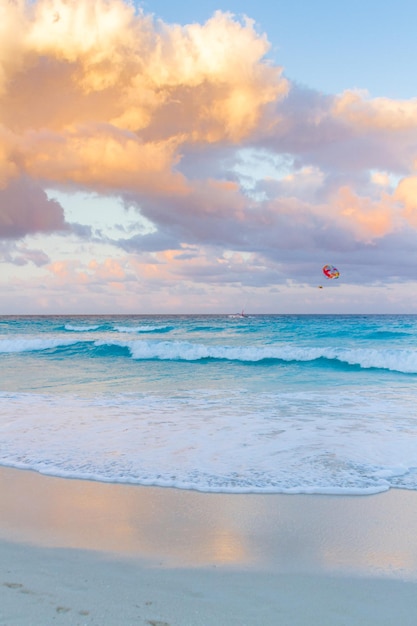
x,y
86,553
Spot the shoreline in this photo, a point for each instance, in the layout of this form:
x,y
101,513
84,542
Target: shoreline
x,y
81,552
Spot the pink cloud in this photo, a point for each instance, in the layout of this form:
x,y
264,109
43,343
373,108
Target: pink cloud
x,y
385,114
406,194
114,96
25,208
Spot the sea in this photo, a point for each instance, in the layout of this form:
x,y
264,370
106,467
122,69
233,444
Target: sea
x,y
317,404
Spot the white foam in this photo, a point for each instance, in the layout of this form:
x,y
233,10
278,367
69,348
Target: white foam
x,y
140,329
404,361
22,344
293,443
80,329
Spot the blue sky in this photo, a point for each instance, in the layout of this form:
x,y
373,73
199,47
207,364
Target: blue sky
x,y
180,158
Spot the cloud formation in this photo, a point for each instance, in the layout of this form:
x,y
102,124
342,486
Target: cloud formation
x,y
113,95
26,208
204,136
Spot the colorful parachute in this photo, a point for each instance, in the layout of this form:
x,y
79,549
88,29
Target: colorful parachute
x,y
330,271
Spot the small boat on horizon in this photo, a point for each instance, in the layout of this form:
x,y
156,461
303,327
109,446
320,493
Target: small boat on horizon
x,y
239,315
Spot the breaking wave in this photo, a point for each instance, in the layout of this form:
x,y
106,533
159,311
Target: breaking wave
x,y
403,361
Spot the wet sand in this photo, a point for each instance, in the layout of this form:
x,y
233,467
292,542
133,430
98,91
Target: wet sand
x,y
81,552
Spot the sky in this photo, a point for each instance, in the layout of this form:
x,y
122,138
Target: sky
x,y
159,157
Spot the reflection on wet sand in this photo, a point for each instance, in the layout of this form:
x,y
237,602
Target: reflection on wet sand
x,y
372,535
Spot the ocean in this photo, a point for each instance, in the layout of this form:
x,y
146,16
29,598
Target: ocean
x,y
318,404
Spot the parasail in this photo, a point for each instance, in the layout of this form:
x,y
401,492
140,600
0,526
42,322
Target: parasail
x,y
330,271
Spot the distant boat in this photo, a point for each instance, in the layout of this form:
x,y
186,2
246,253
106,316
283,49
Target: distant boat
x,y
239,315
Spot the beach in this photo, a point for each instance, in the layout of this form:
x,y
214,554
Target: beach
x,y
82,552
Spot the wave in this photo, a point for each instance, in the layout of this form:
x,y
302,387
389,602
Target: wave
x,y
80,329
200,482
388,334
120,329
8,346
143,329
402,361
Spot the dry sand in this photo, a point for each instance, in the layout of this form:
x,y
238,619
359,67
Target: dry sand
x,y
84,553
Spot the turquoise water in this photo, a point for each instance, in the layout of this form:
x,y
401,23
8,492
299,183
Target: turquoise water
x,y
265,403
